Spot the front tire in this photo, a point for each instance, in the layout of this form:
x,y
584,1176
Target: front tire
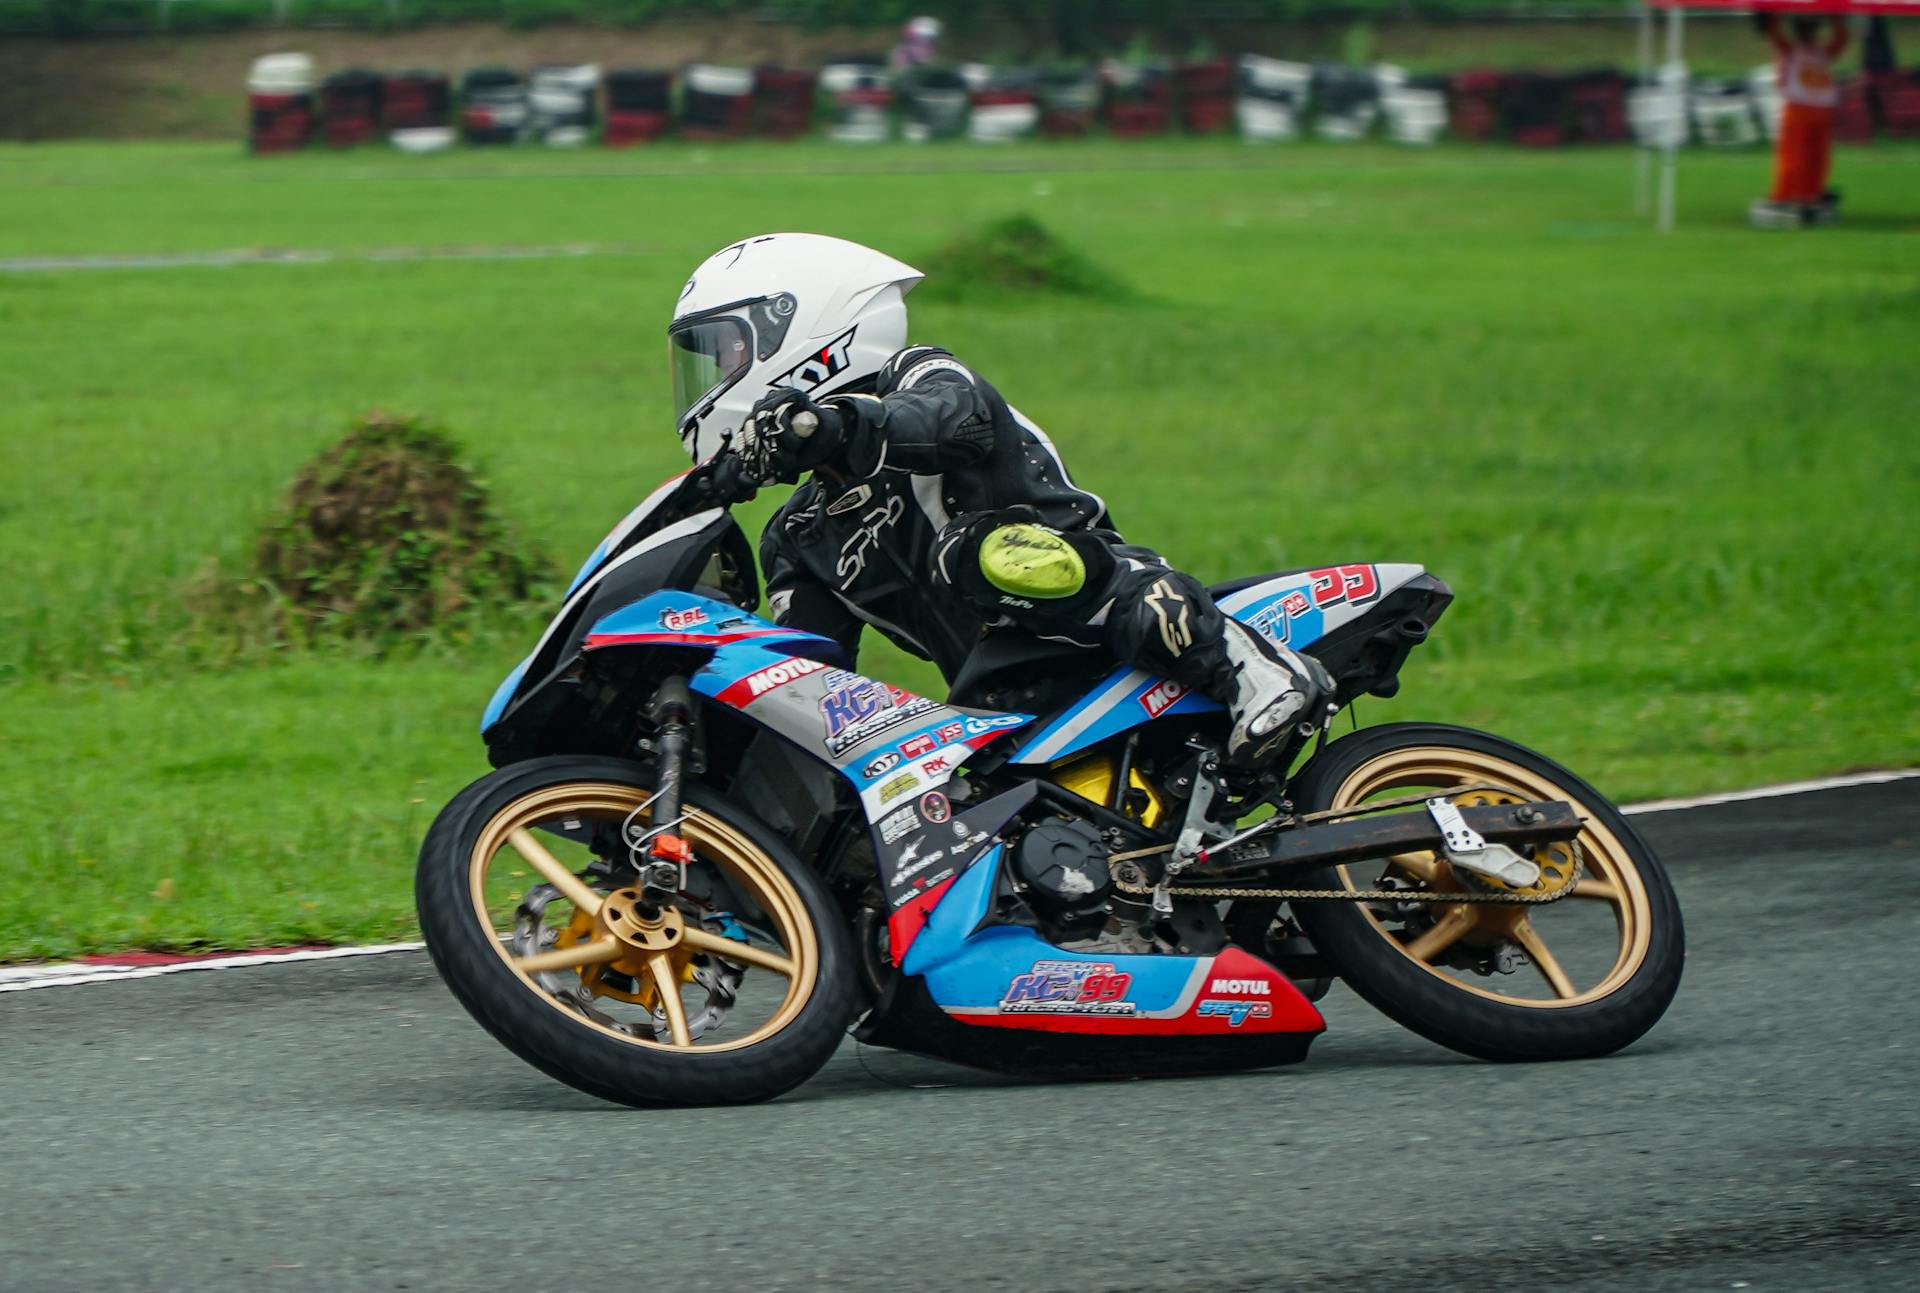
x,y
1487,980
546,945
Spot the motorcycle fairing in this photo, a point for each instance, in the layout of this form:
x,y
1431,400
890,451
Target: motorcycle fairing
x,y
1294,610
1007,976
898,750
592,575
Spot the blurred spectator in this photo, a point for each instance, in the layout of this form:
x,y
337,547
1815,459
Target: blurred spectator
x,y
1804,152
919,44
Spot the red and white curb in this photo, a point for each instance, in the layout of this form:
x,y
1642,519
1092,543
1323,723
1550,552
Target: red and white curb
x,y
148,965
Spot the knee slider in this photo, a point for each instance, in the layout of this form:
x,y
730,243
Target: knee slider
x,y
1031,561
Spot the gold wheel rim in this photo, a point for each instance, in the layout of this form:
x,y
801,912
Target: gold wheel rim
x,y
656,957
1609,876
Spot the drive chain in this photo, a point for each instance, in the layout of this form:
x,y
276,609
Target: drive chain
x,y
1483,897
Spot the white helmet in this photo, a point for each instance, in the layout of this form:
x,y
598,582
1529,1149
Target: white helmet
x,y
785,309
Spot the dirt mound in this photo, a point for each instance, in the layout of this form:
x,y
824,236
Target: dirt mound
x,y
388,537
1016,257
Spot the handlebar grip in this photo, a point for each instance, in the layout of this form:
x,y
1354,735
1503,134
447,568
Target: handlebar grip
x,y
805,424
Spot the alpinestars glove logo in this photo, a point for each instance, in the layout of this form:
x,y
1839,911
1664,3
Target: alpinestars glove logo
x,y
1171,611
822,366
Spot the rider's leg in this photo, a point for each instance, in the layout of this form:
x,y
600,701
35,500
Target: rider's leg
x,y
1087,587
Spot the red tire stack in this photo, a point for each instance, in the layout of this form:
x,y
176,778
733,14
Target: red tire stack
x,y
350,107
1597,106
1139,99
1206,96
1896,96
784,100
637,106
415,100
717,102
1853,117
280,103
1473,111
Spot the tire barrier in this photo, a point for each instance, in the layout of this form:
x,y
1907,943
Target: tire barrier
x,y
1261,99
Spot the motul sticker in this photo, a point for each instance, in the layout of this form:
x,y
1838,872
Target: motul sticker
x,y
1162,696
779,675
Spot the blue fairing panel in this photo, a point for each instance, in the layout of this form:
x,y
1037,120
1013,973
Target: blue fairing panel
x,y
1294,610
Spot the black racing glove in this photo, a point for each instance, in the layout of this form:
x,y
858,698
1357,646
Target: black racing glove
x,y
789,435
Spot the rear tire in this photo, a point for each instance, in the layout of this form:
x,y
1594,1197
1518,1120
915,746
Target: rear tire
x,y
1427,997
562,1041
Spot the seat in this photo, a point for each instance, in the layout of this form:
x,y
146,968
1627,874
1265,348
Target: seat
x,y
1010,670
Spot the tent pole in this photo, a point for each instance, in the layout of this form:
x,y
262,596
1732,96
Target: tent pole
x,y
1669,162
1643,155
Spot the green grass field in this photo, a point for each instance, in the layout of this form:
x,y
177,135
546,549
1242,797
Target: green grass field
x,y
1673,481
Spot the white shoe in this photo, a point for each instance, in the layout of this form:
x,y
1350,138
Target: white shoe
x,y
1274,689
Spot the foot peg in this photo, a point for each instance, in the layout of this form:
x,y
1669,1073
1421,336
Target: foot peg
x,y
1466,850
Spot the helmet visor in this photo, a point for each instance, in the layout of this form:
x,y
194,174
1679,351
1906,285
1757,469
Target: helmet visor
x,y
707,355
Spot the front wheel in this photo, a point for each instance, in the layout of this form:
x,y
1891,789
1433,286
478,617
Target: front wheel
x,y
737,989
1581,976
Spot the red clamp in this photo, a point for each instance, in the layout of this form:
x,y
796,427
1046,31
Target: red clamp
x,y
671,848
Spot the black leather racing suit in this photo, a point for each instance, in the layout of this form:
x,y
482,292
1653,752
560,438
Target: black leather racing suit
x,y
888,534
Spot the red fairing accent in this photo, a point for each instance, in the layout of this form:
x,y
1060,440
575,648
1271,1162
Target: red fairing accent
x,y
1235,984
596,640
905,924
987,738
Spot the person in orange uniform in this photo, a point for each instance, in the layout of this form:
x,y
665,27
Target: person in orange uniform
x,y
1803,157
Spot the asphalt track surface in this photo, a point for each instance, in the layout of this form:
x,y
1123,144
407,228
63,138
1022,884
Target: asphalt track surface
x,y
343,1125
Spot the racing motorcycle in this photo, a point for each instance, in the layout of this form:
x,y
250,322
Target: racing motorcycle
x,y
709,845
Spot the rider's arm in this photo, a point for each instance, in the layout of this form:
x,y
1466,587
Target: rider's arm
x,y
800,601
932,415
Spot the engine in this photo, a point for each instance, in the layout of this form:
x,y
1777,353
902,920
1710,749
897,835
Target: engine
x,y
1062,863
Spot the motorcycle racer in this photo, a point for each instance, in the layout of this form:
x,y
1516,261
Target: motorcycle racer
x,y
931,508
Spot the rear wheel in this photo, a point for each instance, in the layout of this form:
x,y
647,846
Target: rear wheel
x,y
1580,976
736,989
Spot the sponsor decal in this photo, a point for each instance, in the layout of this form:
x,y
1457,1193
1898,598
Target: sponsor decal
x,y
892,828
935,809
1069,988
1354,585
1241,987
1273,622
882,765
915,746
679,621
910,863
1162,696
1020,602
950,732
856,709
860,545
855,497
779,675
1294,603
820,367
899,786
1174,616
981,726
938,765
1234,1012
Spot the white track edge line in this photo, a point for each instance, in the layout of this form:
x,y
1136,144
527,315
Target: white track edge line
x,y
28,977
1781,790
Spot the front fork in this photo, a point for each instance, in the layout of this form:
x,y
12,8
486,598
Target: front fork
x,y
661,854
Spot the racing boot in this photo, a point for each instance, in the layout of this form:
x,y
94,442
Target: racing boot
x,y
1272,692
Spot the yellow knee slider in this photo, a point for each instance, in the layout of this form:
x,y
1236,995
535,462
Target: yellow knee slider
x,y
1031,561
